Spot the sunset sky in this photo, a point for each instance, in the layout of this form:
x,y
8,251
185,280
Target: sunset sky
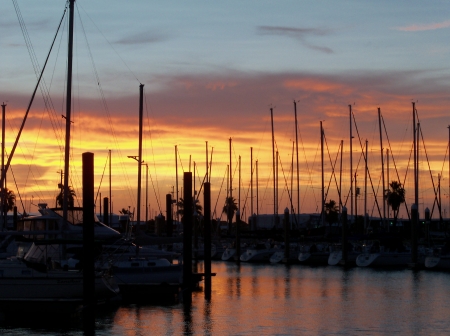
x,y
211,71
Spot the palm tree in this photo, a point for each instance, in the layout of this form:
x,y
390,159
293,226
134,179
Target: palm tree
x,y
395,196
230,208
197,207
70,197
9,200
331,212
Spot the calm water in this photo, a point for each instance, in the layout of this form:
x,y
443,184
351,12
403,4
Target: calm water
x,y
286,300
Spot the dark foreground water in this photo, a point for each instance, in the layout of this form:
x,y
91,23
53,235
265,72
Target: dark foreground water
x,y
283,300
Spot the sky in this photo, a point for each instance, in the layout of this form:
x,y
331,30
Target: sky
x,y
212,71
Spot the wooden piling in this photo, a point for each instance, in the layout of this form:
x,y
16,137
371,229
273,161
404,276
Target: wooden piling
x,y
238,237
344,259
88,240
207,240
414,227
187,238
286,235
106,212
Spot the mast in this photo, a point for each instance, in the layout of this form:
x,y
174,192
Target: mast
x,y
257,188
388,186
141,114
68,114
273,169
230,219
276,189
322,215
292,179
176,180
251,181
3,185
351,163
340,179
382,167
296,149
110,191
416,190
207,168
365,187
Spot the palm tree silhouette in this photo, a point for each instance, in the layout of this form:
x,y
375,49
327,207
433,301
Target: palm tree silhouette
x,y
9,200
395,196
331,212
230,208
197,207
70,197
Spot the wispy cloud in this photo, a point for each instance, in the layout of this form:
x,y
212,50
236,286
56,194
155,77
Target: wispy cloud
x,y
142,38
299,34
422,27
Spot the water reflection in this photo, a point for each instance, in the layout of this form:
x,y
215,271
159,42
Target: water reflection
x,y
288,300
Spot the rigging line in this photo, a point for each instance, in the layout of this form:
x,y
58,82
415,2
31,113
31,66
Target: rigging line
x,y
153,153
101,180
368,170
220,190
179,158
285,181
26,114
431,175
333,166
156,196
43,87
105,106
123,61
390,147
18,192
445,156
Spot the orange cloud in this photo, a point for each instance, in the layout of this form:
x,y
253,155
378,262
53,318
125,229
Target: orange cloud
x,y
423,27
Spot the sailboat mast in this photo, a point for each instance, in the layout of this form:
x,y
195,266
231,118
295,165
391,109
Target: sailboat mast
x,y
273,169
382,167
68,114
322,215
3,186
141,114
340,178
110,191
351,162
257,190
176,179
416,190
365,187
296,149
251,181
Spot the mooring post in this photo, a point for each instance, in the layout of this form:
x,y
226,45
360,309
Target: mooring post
x,y
414,224
88,240
286,235
169,221
187,238
237,257
207,240
344,237
106,212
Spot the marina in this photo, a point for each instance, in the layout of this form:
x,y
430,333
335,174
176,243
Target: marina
x,y
325,255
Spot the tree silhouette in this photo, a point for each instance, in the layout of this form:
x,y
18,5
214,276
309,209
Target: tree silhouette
x,y
9,200
395,196
230,208
70,197
331,212
197,207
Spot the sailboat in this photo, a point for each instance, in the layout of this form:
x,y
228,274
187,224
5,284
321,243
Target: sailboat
x,y
36,277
